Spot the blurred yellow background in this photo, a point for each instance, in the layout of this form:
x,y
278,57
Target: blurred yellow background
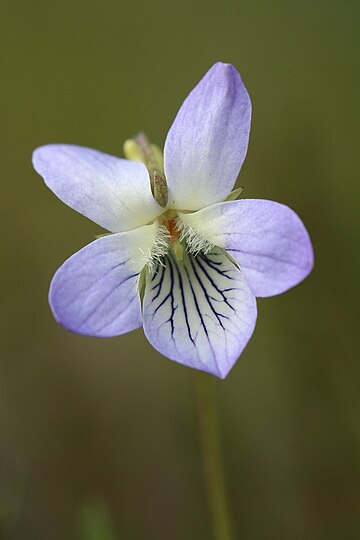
x,y
98,437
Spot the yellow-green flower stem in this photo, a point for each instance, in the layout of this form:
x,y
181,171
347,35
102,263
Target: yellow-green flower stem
x,y
212,460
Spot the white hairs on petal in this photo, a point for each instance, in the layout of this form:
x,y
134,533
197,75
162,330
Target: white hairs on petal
x,y
160,246
195,242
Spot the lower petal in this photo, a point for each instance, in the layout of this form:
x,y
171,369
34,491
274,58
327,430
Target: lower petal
x,y
95,292
200,311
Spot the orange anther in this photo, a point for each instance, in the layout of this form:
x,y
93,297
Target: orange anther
x,y
171,226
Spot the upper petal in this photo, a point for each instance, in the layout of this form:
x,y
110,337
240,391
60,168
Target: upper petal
x,y
95,292
199,312
267,239
113,192
207,143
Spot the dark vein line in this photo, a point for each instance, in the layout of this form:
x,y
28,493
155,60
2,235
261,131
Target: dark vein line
x,y
169,295
221,272
215,286
206,294
159,284
183,302
201,318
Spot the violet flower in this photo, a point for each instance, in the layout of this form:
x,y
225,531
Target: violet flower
x,y
183,260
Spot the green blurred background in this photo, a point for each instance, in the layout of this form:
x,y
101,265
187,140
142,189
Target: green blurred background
x,y
98,438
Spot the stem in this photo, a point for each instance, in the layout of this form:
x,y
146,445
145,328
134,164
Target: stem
x,y
212,460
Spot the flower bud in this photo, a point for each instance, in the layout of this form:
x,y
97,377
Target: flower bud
x,y
131,150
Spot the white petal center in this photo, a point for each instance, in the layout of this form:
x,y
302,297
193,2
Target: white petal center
x,y
173,233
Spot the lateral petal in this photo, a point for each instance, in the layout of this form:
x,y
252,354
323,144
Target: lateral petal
x,y
95,292
267,239
199,312
113,192
207,143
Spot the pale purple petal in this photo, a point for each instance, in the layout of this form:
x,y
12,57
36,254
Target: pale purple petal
x,y
207,143
267,239
113,192
199,312
95,292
